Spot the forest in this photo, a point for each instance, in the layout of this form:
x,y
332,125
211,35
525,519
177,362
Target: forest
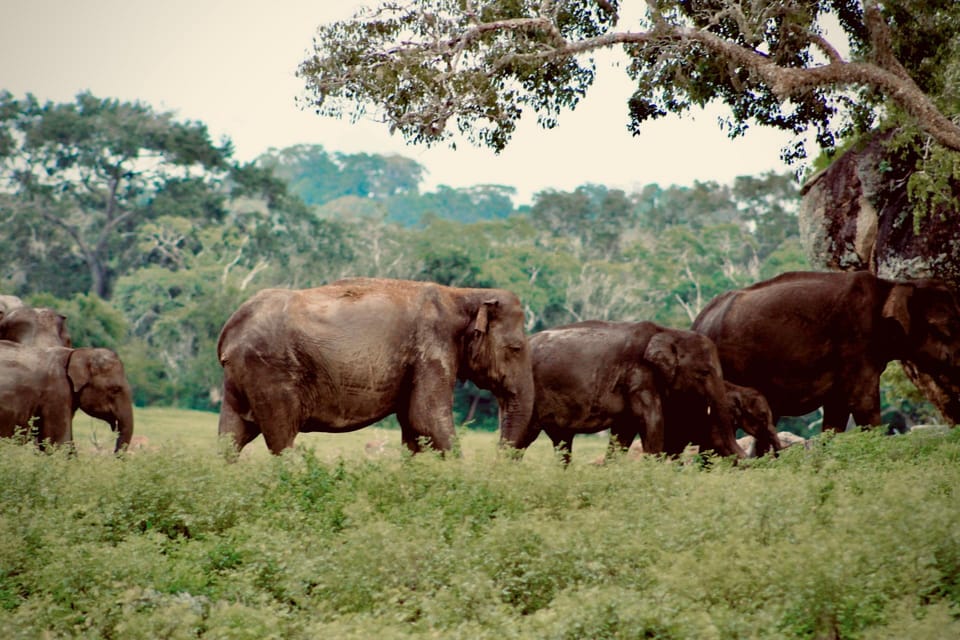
x,y
147,235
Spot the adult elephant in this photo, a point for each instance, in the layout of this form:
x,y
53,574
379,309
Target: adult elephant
x,y
634,378
37,326
810,339
48,385
343,356
9,303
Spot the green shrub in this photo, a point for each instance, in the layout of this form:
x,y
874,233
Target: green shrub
x,y
857,536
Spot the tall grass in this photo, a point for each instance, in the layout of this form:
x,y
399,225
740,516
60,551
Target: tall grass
x,y
855,537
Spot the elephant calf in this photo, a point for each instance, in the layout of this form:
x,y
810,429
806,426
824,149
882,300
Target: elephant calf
x,y
634,378
751,412
48,385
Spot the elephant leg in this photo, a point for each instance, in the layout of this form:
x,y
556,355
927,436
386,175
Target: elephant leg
x,y
279,420
562,440
411,439
865,406
621,437
767,442
429,413
232,425
835,416
647,407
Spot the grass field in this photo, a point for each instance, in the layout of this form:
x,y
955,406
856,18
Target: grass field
x,y
198,429
855,537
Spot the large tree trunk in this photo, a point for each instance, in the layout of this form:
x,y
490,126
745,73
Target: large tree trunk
x,y
856,215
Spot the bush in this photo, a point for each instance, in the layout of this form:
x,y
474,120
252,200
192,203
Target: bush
x,y
855,537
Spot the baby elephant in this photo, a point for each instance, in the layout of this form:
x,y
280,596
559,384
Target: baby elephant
x,y
48,385
750,412
634,378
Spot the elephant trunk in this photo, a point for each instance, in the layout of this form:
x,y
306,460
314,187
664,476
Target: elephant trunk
x,y
516,409
123,425
723,437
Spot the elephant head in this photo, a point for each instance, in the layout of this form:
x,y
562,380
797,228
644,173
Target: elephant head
x,y
750,411
9,303
926,312
924,319
496,357
40,327
693,391
100,389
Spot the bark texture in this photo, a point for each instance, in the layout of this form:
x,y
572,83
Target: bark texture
x,y
856,215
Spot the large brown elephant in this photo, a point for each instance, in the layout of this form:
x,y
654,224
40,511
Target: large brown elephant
x,y
343,356
48,385
634,378
37,326
810,339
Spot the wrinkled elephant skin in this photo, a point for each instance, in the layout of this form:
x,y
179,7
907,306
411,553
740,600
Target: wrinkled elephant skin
x,y
48,385
36,326
343,356
811,339
636,379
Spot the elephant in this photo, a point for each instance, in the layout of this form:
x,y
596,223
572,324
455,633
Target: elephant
x,y
49,384
37,326
9,303
634,378
750,411
340,357
815,339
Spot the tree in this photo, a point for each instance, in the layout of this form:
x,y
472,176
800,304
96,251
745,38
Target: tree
x,y
87,174
319,177
593,217
431,67
769,204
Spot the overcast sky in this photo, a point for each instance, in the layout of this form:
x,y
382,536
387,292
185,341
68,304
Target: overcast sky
x,y
231,65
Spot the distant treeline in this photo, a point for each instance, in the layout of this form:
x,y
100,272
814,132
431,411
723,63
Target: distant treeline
x,y
147,236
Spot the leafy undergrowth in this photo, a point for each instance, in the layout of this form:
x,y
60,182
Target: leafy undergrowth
x,y
857,536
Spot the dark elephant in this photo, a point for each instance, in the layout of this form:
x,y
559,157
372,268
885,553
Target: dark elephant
x,y
343,356
634,378
50,384
37,326
750,411
810,339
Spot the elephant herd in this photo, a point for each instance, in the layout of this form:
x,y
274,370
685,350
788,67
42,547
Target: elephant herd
x,y
43,380
345,355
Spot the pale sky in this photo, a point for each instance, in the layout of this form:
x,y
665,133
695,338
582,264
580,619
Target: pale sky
x,y
232,64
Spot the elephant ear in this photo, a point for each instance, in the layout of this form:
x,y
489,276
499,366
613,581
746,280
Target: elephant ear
x,y
17,327
62,331
483,315
79,369
897,307
662,353
736,406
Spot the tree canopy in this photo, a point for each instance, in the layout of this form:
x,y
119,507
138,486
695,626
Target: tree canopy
x,y
432,68
94,170
199,238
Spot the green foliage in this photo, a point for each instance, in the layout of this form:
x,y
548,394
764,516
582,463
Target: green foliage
x,y
191,241
91,321
89,172
433,68
854,537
